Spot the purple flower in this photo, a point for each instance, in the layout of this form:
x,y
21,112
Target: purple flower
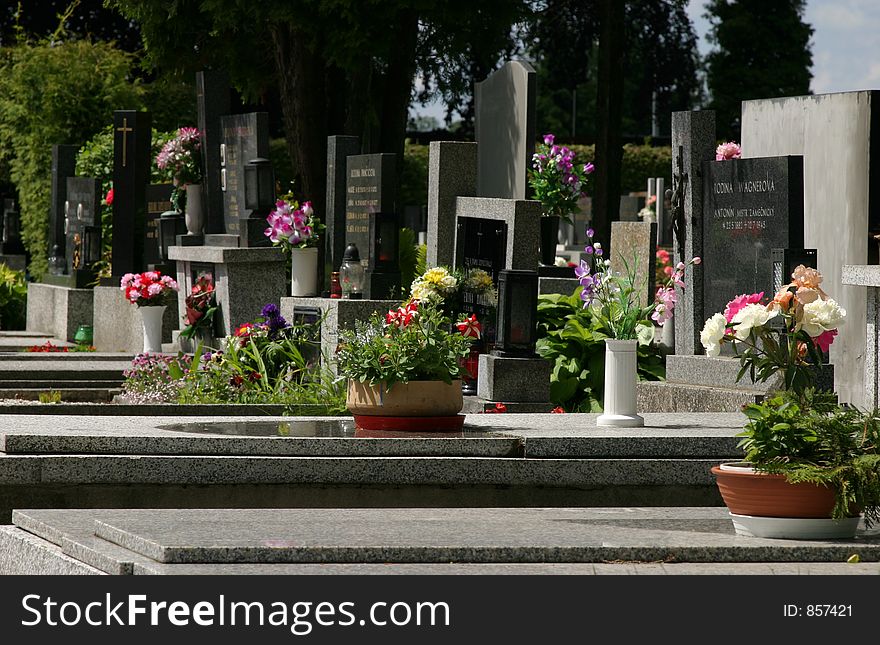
x,y
582,271
590,233
588,250
548,139
589,168
270,311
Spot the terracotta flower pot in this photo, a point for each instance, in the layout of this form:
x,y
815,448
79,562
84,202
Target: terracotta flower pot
x,y
746,492
413,399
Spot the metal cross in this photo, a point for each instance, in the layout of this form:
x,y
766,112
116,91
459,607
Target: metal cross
x,y
124,129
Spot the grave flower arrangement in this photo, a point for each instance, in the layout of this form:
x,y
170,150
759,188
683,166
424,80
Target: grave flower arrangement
x,y
148,289
614,298
293,225
415,342
787,335
445,286
182,158
649,212
557,179
201,304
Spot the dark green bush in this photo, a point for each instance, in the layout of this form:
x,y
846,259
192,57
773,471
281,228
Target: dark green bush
x,y
13,298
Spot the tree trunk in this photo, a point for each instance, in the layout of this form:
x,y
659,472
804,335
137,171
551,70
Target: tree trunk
x,y
301,85
398,81
609,102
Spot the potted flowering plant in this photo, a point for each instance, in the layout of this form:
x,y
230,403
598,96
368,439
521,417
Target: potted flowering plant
x,y
558,181
295,228
182,157
151,292
404,368
201,304
614,300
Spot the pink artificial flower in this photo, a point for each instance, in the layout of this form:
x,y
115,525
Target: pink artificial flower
x,y
126,281
548,139
666,300
728,150
823,341
109,197
589,168
154,289
740,302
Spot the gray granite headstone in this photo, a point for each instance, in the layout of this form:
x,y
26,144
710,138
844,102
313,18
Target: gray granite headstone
x,y
243,137
505,130
370,187
83,205
633,247
131,174
693,142
522,217
751,206
452,172
837,136
63,166
339,148
212,102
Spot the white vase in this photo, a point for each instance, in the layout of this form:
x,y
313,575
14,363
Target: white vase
x,y
151,317
620,385
194,214
304,272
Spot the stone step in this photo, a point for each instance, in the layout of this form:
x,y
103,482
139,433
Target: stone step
x,y
43,384
660,396
79,394
81,357
721,372
164,541
60,370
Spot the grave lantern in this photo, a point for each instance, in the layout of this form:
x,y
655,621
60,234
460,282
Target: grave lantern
x,y
171,224
384,238
351,273
259,187
786,260
517,330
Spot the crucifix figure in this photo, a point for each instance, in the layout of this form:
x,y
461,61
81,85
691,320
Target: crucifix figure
x,y
124,130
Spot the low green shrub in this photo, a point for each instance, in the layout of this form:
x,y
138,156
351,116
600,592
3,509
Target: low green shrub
x,y
13,298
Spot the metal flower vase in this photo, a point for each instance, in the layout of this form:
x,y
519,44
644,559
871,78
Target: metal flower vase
x,y
194,214
151,318
621,378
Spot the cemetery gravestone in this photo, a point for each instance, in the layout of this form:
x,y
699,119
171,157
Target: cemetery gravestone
x,y
339,148
131,174
82,226
633,248
751,207
505,130
212,100
452,173
158,202
371,187
244,137
481,244
63,166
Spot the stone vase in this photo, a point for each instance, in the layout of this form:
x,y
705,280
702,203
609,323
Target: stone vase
x,y
549,238
304,272
620,385
194,214
151,318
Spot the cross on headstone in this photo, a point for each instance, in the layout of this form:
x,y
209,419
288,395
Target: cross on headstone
x,y
124,129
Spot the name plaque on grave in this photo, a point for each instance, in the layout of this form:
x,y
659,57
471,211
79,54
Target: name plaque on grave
x,y
751,206
370,187
158,201
480,244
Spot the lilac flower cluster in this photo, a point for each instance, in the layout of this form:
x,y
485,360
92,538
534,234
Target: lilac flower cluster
x,y
181,156
273,321
292,225
557,179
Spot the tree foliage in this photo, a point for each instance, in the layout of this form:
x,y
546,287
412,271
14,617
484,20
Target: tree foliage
x,y
54,94
761,50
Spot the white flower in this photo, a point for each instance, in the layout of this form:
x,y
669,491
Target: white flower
x,y
421,291
560,262
821,316
750,316
713,332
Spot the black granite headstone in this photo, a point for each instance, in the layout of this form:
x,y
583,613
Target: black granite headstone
x,y
158,201
63,166
339,148
370,187
212,102
11,239
751,206
480,244
244,137
83,206
131,174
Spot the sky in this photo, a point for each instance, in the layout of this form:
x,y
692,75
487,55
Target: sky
x,y
845,45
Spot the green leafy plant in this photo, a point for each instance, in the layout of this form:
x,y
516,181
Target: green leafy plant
x,y
573,339
13,298
808,437
52,396
412,343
